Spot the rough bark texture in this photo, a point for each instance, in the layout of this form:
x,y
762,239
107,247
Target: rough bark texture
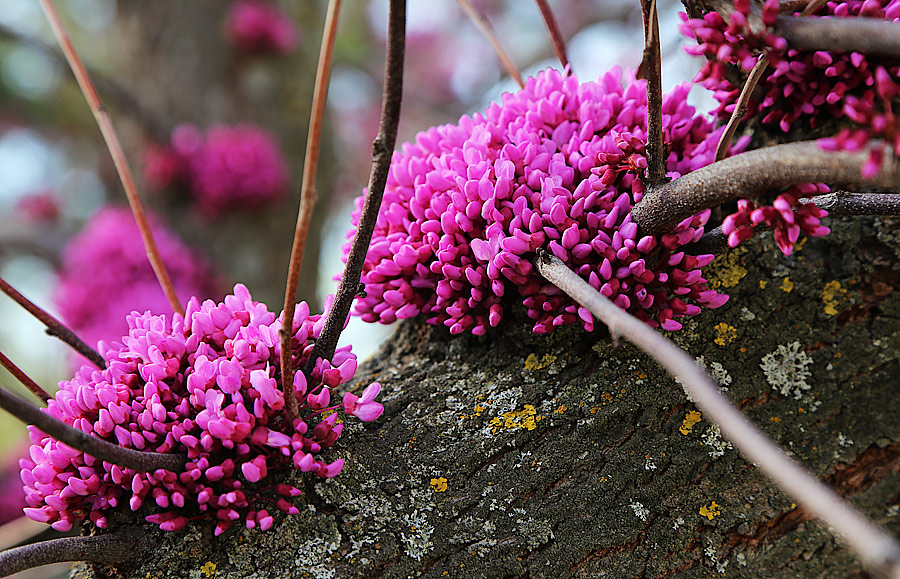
x,y
516,455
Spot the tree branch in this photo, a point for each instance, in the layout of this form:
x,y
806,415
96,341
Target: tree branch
x,y
754,174
54,327
484,25
383,148
844,204
92,445
740,107
651,69
869,35
108,549
19,375
556,37
876,549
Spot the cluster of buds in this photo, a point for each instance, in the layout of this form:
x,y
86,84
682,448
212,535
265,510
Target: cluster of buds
x,y
260,27
557,165
205,385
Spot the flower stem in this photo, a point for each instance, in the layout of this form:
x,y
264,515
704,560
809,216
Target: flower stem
x,y
556,37
484,25
383,148
108,549
875,548
54,327
19,375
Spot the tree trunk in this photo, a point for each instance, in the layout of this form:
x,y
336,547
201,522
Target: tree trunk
x,y
517,455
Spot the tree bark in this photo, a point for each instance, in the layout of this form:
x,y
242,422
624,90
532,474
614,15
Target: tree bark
x,y
517,455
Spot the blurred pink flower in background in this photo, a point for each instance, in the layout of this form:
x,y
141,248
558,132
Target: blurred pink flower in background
x,y
260,27
40,207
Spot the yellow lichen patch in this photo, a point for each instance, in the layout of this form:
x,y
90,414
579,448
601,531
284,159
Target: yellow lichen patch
x,y
787,286
690,419
526,418
832,295
726,271
725,334
763,283
532,362
439,484
711,511
561,409
208,569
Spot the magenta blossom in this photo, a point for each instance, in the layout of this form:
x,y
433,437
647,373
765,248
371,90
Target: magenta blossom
x,y
557,165
364,407
257,26
206,385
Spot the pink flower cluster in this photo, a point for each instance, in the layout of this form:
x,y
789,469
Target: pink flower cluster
x,y
206,385
558,166
260,27
40,207
105,274
787,216
228,168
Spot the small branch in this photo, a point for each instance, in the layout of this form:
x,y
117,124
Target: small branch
x,y
92,445
556,37
115,150
484,25
740,107
108,549
754,174
843,204
651,70
383,148
876,550
307,200
54,327
869,35
19,375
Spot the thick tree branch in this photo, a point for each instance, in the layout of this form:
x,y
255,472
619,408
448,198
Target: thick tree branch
x,y
108,549
755,174
869,35
484,25
651,69
383,148
876,550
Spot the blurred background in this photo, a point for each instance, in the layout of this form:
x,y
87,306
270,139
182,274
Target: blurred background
x,y
211,100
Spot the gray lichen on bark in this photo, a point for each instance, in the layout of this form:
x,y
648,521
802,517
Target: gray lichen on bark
x,y
517,455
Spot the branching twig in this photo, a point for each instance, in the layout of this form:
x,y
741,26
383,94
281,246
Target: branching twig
x,y
108,549
54,327
877,551
556,37
869,35
484,25
740,107
115,151
755,174
382,149
651,69
307,201
19,375
96,447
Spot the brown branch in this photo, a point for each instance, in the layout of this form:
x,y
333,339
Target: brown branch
x,y
556,37
115,150
844,204
19,375
484,25
754,174
307,201
876,549
869,35
54,327
383,148
651,70
92,445
740,107
108,549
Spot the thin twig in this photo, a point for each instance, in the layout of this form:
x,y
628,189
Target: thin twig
x,y
755,174
383,148
108,549
54,327
876,549
651,69
556,37
115,151
307,201
843,204
484,25
868,35
92,445
19,375
740,107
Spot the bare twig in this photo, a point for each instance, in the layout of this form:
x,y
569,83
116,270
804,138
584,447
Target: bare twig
x,y
868,35
740,107
307,200
843,204
755,174
54,327
484,25
108,549
877,550
19,375
556,37
651,69
115,151
92,445
383,148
